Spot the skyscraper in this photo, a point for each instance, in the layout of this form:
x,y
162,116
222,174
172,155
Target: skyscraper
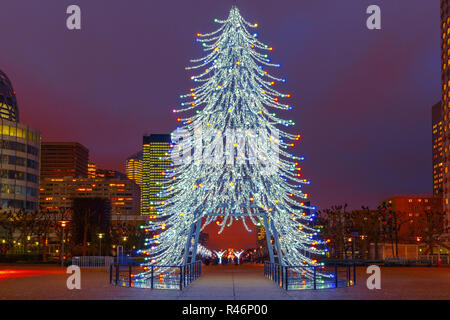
x,y
64,159
133,167
155,152
437,136
19,155
445,102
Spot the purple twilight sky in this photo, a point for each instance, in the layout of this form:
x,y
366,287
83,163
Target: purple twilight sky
x,y
362,99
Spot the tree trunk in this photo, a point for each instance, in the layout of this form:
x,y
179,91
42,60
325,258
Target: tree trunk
x,y
430,245
44,249
396,234
85,240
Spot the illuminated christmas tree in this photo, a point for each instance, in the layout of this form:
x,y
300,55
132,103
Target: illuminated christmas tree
x,y
230,160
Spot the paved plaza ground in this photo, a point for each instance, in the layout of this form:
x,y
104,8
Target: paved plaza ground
x,y
221,282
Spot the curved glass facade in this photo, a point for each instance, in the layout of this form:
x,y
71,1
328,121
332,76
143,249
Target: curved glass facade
x,y
19,166
8,101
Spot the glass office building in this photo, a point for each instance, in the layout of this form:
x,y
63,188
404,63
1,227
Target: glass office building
x,y
155,151
19,155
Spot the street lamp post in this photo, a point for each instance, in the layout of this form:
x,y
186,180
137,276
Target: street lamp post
x,y
63,224
100,236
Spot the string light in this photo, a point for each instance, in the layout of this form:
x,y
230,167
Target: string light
x,y
238,94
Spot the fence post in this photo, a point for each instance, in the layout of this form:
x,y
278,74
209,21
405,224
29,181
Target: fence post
x,y
184,276
181,278
279,274
286,270
117,273
153,270
110,273
314,277
354,273
129,275
275,273
188,271
336,275
348,275
272,272
186,279
275,270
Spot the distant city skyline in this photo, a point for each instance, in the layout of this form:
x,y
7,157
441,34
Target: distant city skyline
x,y
362,99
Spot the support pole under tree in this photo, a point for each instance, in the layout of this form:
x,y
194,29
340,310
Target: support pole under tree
x,y
276,242
268,238
198,226
188,243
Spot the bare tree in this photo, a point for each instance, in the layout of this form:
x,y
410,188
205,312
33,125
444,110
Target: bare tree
x,y
8,224
44,225
431,227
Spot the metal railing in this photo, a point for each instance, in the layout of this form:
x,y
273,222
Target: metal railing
x,y
433,259
93,261
311,277
155,277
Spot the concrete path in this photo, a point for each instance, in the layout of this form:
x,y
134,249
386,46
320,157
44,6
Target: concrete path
x,y
244,282
233,283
